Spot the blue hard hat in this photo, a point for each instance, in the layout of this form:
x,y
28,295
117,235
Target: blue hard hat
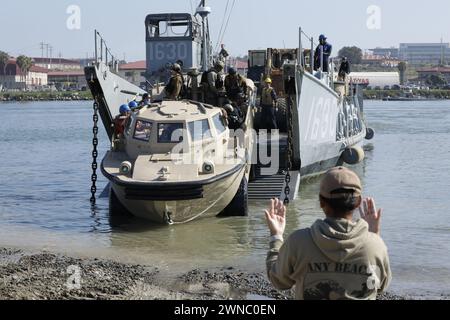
x,y
124,109
232,71
133,104
322,37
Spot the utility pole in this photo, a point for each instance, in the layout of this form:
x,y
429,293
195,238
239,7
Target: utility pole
x,y
51,54
42,44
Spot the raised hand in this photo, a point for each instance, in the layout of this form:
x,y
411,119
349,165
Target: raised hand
x,y
276,217
368,212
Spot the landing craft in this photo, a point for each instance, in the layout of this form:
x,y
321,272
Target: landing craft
x,y
147,177
322,118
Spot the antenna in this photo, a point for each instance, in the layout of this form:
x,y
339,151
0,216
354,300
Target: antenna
x,y
203,11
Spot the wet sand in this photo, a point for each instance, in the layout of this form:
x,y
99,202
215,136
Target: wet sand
x,y
48,276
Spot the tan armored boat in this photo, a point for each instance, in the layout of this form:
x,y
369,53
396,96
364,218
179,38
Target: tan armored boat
x,y
178,160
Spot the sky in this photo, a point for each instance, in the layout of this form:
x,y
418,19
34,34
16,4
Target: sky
x,y
253,24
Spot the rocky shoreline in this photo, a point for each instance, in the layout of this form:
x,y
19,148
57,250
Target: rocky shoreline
x,y
47,276
45,96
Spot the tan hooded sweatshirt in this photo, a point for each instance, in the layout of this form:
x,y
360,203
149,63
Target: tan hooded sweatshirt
x,y
334,259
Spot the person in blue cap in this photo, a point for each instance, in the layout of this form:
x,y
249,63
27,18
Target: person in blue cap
x,y
326,48
121,120
133,105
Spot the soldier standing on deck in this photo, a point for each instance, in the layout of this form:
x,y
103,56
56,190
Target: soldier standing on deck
x,y
173,88
268,104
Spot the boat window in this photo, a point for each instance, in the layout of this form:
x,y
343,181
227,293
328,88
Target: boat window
x,y
200,130
153,31
170,132
258,58
143,130
173,29
219,123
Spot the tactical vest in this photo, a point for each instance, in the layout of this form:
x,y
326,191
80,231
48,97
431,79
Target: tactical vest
x,y
266,97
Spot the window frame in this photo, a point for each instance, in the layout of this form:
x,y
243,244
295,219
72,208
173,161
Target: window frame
x,y
158,137
203,139
222,121
135,130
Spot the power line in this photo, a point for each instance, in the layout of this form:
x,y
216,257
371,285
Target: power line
x,y
229,17
221,27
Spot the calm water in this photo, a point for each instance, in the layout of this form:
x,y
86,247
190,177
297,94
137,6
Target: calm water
x,y
45,182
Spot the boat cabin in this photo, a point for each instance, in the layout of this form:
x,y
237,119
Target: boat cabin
x,y
170,38
160,128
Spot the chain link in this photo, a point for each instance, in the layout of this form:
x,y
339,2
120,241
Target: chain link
x,y
290,152
94,176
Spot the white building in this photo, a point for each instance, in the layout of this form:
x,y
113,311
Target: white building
x,y
13,78
375,79
59,64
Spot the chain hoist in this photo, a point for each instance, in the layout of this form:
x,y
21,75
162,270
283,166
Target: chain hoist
x,y
94,176
290,152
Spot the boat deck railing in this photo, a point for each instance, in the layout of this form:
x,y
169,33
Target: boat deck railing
x,y
328,76
103,53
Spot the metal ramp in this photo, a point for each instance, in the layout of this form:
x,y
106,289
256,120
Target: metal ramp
x,y
269,187
265,188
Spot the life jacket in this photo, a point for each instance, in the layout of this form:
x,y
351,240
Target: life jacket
x,y
266,97
119,124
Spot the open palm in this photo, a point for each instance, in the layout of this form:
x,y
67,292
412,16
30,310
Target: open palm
x,y
276,217
368,212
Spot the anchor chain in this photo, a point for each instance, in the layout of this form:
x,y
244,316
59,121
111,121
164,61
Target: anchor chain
x,y
290,152
94,176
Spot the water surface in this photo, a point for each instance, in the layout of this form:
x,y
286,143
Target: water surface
x,y
45,150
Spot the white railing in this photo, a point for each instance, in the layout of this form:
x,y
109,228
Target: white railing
x,y
103,53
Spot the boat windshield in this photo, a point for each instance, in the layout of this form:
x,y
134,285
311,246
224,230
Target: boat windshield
x,y
170,132
143,130
219,123
200,130
169,28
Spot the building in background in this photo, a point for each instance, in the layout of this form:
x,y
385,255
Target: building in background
x,y
13,78
426,73
386,52
425,53
375,79
377,60
240,65
68,80
57,64
134,72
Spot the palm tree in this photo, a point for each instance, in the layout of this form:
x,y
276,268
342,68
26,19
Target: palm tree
x,y
4,58
25,63
402,67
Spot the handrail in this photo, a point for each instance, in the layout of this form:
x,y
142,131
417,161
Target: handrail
x,y
105,55
330,75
